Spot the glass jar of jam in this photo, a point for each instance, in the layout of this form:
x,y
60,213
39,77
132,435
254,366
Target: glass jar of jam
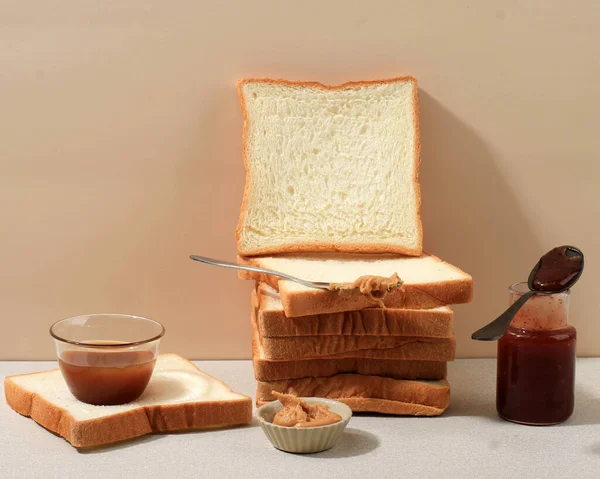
x,y
536,361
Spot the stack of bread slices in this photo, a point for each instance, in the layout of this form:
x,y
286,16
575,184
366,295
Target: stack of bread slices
x,y
332,195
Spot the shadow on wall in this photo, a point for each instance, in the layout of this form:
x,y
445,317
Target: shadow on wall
x,y
212,304
471,218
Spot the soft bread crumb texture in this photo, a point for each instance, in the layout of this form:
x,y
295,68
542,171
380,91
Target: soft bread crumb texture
x,y
330,168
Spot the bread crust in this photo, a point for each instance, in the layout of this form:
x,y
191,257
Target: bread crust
x,y
127,424
330,247
268,370
303,303
383,406
340,347
367,393
433,323
316,301
272,370
423,349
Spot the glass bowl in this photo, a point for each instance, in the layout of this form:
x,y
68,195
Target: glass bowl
x,y
107,359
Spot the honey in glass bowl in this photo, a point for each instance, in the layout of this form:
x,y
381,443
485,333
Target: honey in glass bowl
x,y
107,359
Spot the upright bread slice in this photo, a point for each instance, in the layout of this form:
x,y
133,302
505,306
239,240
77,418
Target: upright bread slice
x,y
429,282
367,393
374,347
330,168
270,370
178,397
272,321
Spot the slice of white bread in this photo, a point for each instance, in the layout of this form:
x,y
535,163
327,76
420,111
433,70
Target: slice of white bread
x,y
367,393
374,347
270,370
330,168
272,321
397,347
178,397
429,282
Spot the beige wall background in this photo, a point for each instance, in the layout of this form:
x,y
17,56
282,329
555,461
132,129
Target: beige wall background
x,y
120,149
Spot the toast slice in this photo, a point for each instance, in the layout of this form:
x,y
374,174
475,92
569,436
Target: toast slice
x,y
269,370
178,397
429,282
330,168
367,393
339,347
375,347
272,321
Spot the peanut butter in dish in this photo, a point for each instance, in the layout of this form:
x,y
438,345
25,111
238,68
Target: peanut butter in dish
x,y
298,413
374,287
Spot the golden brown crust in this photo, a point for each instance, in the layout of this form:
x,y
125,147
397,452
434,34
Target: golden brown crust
x,y
392,347
242,100
383,406
373,347
324,86
410,296
271,370
273,323
417,115
304,303
430,393
27,404
268,370
366,393
128,424
330,247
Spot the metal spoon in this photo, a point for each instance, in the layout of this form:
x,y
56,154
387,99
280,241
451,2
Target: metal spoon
x,y
495,329
227,264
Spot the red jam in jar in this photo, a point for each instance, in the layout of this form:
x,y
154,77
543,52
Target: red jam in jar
x,y
536,361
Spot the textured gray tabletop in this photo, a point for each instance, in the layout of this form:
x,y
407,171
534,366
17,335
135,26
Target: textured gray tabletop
x,y
468,441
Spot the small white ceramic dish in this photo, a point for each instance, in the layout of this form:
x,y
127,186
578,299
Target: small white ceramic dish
x,y
303,440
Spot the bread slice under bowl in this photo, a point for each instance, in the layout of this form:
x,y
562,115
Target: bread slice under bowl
x,y
179,397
